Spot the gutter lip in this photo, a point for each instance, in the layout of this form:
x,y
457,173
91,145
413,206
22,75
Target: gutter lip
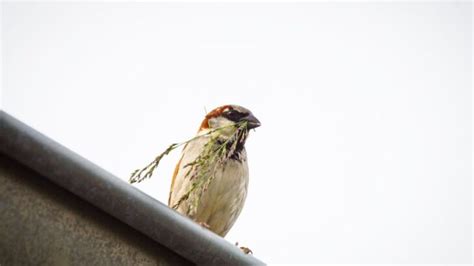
x,y
116,197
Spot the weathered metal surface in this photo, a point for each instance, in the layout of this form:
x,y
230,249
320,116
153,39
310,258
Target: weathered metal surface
x,y
115,197
43,224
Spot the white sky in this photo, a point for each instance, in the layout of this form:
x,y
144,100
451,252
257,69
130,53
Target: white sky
x,y
364,155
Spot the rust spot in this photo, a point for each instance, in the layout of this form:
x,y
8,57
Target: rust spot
x,y
214,113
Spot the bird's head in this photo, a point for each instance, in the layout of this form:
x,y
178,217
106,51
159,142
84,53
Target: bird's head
x,y
227,115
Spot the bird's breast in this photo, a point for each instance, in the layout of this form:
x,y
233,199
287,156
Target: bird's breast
x,y
223,201
219,204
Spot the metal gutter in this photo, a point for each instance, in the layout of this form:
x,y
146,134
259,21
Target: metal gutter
x,y
116,197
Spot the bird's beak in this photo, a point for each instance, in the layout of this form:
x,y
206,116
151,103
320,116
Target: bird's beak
x,y
252,121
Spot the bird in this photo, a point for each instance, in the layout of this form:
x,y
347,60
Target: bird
x,y
217,205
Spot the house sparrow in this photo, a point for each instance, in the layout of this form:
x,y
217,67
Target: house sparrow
x,y
220,203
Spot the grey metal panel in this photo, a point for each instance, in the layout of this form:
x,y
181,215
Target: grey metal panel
x,y
43,224
116,197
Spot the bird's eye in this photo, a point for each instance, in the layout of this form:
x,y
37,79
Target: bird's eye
x,y
234,115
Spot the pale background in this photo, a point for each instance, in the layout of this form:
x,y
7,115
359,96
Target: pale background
x,y
364,155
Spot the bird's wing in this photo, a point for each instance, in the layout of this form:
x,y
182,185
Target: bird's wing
x,y
175,173
181,182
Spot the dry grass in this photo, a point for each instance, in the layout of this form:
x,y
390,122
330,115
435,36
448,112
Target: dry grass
x,y
215,152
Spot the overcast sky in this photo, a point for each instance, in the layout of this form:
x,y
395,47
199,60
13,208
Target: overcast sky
x,y
364,154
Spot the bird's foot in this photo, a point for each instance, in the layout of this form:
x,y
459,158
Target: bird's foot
x,y
205,225
245,250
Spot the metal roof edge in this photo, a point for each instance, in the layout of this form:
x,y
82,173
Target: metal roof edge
x,y
116,197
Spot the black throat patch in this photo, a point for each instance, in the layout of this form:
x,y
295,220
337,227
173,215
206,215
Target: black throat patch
x,y
236,145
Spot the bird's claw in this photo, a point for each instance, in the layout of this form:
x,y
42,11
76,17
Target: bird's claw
x,y
245,250
205,225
